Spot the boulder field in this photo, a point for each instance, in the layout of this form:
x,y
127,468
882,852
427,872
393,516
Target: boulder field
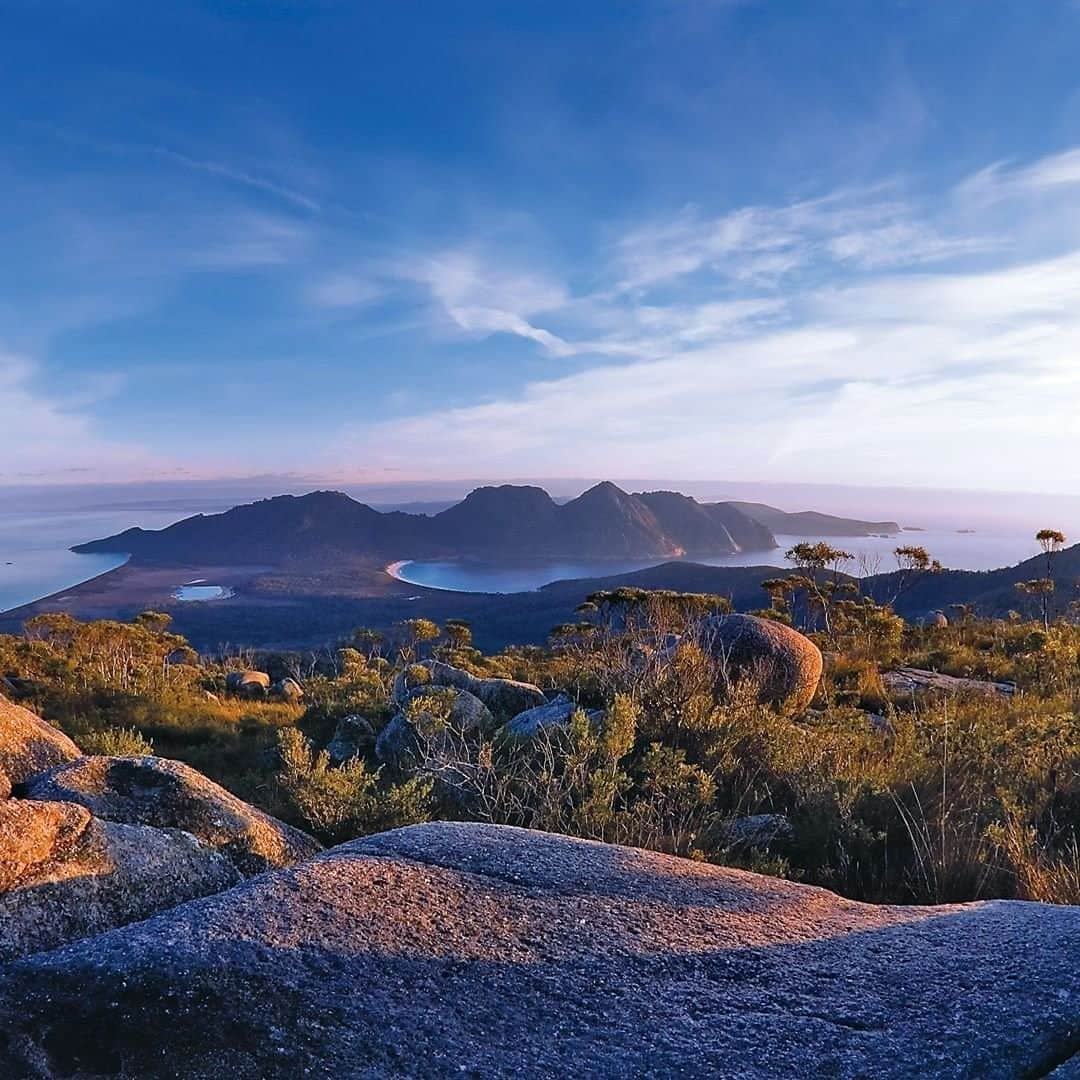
x,y
91,843
475,950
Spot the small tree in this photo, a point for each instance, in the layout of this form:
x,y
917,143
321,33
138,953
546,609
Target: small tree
x,y
814,560
913,563
413,634
1043,588
1051,541
367,641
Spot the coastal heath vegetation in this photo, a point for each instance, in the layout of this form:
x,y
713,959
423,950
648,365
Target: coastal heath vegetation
x,y
878,794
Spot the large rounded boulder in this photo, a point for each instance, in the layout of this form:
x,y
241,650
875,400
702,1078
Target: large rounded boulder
x,y
787,665
168,794
65,875
28,745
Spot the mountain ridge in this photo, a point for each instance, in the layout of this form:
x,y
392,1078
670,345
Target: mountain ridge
x,y
503,521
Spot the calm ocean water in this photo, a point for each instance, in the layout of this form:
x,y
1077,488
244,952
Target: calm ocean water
x,y
34,556
35,560
872,554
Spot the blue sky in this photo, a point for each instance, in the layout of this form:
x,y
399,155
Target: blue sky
x,y
827,242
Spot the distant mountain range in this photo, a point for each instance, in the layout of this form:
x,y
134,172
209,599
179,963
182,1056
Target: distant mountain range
x,y
505,522
811,523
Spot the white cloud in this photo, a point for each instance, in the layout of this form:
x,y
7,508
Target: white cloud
x,y
867,368
47,438
1001,181
482,299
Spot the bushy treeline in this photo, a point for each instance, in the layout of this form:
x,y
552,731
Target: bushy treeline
x,y
879,796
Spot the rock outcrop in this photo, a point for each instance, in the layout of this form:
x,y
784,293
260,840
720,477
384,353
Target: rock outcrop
x,y
288,690
28,745
467,950
249,683
353,737
64,875
553,714
168,794
422,713
504,697
908,681
786,664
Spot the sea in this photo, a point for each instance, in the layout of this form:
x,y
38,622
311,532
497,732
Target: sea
x,y
869,555
37,531
35,543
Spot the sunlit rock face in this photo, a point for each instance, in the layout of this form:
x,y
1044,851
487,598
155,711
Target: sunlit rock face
x,y
28,745
65,875
91,843
464,949
169,794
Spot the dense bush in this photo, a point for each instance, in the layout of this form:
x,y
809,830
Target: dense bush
x,y
928,800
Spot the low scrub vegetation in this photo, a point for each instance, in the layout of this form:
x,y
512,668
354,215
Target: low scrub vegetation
x,y
882,796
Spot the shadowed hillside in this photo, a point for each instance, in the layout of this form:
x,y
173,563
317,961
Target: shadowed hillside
x,y
509,521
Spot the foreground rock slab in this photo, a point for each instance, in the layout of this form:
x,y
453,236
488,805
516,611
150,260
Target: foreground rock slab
x,y
169,794
64,875
454,949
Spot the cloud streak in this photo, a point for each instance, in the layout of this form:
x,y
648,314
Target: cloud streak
x,y
884,345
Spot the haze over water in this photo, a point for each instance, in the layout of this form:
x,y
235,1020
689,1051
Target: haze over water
x,y
872,554
37,528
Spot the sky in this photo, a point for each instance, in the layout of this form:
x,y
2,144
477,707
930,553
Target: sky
x,y
822,242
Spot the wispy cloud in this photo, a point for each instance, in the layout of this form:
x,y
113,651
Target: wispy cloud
x,y
880,351
239,176
1003,180
46,433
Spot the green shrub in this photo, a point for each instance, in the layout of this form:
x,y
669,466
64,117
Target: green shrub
x,y
116,742
338,804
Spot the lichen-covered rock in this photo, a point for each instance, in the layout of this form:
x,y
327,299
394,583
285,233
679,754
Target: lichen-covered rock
x,y
33,834
168,794
504,697
28,745
786,664
353,737
65,875
429,711
552,714
909,681
248,683
455,949
509,697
